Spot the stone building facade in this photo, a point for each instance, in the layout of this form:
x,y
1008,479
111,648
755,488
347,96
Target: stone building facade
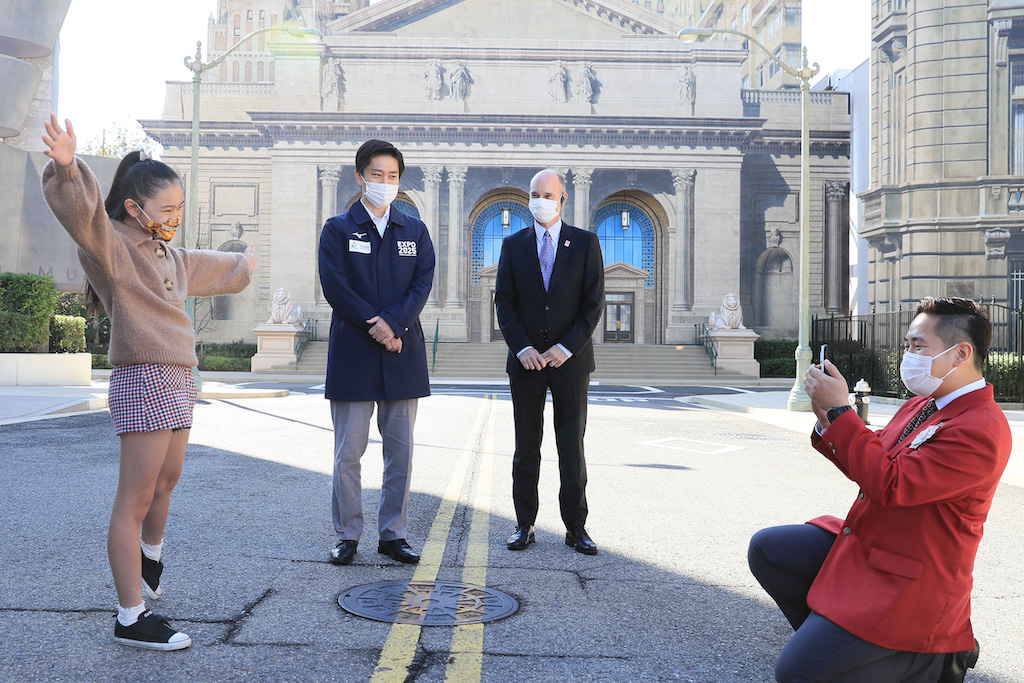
x,y
690,180
942,214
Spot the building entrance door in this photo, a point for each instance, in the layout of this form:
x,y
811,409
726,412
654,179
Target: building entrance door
x,y
618,317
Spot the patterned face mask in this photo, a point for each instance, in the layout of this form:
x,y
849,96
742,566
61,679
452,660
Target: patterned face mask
x,y
160,231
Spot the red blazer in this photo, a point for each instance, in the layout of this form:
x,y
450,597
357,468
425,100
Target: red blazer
x,y
900,572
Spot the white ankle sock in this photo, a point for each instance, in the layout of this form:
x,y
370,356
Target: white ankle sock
x,y
153,552
129,615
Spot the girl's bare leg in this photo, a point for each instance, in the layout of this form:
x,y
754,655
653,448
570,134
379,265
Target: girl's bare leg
x,y
143,456
156,518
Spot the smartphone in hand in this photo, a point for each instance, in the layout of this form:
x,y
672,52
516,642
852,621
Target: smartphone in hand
x,y
822,355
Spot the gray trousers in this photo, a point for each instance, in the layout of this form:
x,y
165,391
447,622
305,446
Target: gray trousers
x,y
395,420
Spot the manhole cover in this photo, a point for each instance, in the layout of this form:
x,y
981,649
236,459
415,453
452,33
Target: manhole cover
x,y
428,603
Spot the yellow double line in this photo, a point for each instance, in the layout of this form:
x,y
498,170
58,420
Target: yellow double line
x,y
467,641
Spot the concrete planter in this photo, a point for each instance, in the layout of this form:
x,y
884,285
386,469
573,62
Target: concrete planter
x,y
29,28
45,369
20,80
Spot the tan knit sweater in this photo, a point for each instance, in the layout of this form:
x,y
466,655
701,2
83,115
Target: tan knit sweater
x,y
141,282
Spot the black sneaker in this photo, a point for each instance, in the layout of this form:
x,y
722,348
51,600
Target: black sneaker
x,y
151,571
151,631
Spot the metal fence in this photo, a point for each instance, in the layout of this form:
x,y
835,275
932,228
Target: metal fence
x,y
870,347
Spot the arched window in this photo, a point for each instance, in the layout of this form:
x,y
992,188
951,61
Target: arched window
x,y
626,235
263,15
234,71
408,208
248,72
495,223
248,15
259,72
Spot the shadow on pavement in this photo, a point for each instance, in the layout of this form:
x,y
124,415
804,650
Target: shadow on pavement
x,y
247,578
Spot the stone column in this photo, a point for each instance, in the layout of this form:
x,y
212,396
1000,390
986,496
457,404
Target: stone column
x,y
454,297
581,200
328,207
682,290
432,188
835,192
328,194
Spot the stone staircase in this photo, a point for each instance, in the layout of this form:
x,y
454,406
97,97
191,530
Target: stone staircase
x,y
615,362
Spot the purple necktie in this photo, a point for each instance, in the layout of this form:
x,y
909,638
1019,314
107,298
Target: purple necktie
x,y
547,258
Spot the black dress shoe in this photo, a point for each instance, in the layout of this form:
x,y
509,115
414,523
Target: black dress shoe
x,y
521,538
956,664
344,552
578,540
398,550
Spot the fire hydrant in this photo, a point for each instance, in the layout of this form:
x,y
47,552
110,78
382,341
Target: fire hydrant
x,y
861,399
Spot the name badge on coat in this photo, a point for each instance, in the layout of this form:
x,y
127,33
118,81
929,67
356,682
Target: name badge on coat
x,y
359,247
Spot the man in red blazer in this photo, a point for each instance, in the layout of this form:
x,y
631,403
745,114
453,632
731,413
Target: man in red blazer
x,y
885,595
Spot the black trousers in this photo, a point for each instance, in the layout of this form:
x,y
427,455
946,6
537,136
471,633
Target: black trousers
x,y
569,399
785,560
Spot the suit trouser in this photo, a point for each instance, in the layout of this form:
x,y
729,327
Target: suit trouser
x,y
569,400
785,560
395,420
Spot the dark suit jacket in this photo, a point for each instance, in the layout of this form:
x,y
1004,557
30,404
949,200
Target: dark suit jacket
x,y
567,313
364,276
900,572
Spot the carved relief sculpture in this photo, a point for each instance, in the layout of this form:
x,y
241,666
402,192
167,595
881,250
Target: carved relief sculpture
x,y
558,82
687,84
583,86
729,317
432,80
330,76
458,82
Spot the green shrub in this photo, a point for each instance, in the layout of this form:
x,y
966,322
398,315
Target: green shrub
x,y
776,356
67,334
99,362
97,328
236,349
222,364
26,306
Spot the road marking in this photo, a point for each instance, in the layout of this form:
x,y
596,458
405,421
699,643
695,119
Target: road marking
x,y
400,647
677,444
465,661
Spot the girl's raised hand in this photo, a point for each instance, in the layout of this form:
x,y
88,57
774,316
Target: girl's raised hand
x,y
250,254
61,142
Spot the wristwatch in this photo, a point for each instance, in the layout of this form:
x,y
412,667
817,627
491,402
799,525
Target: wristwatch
x,y
834,413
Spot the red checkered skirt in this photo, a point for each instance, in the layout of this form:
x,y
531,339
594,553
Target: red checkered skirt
x,y
150,397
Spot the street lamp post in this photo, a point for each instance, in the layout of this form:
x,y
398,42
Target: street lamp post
x,y
798,400
197,66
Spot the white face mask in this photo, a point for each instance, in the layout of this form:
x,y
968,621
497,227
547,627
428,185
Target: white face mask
x,y
544,210
916,373
380,194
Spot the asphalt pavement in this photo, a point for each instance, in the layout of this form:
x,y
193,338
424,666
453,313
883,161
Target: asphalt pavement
x,y
679,479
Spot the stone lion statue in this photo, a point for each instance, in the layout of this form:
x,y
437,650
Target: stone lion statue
x,y
281,310
729,317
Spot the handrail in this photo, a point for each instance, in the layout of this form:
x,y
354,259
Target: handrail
x,y
308,330
433,361
704,338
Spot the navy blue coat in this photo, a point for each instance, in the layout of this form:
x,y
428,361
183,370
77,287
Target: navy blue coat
x,y
364,276
566,314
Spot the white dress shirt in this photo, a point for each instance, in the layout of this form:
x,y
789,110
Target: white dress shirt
x,y
380,223
556,231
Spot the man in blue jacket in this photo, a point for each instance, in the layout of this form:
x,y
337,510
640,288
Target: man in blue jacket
x,y
376,268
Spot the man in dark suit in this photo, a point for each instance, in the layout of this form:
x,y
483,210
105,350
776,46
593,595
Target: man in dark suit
x,y
885,594
376,268
548,298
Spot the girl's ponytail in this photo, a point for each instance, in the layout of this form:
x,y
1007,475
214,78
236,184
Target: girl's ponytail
x,y
137,178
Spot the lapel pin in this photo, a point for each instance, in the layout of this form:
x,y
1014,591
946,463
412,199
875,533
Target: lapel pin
x,y
566,243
